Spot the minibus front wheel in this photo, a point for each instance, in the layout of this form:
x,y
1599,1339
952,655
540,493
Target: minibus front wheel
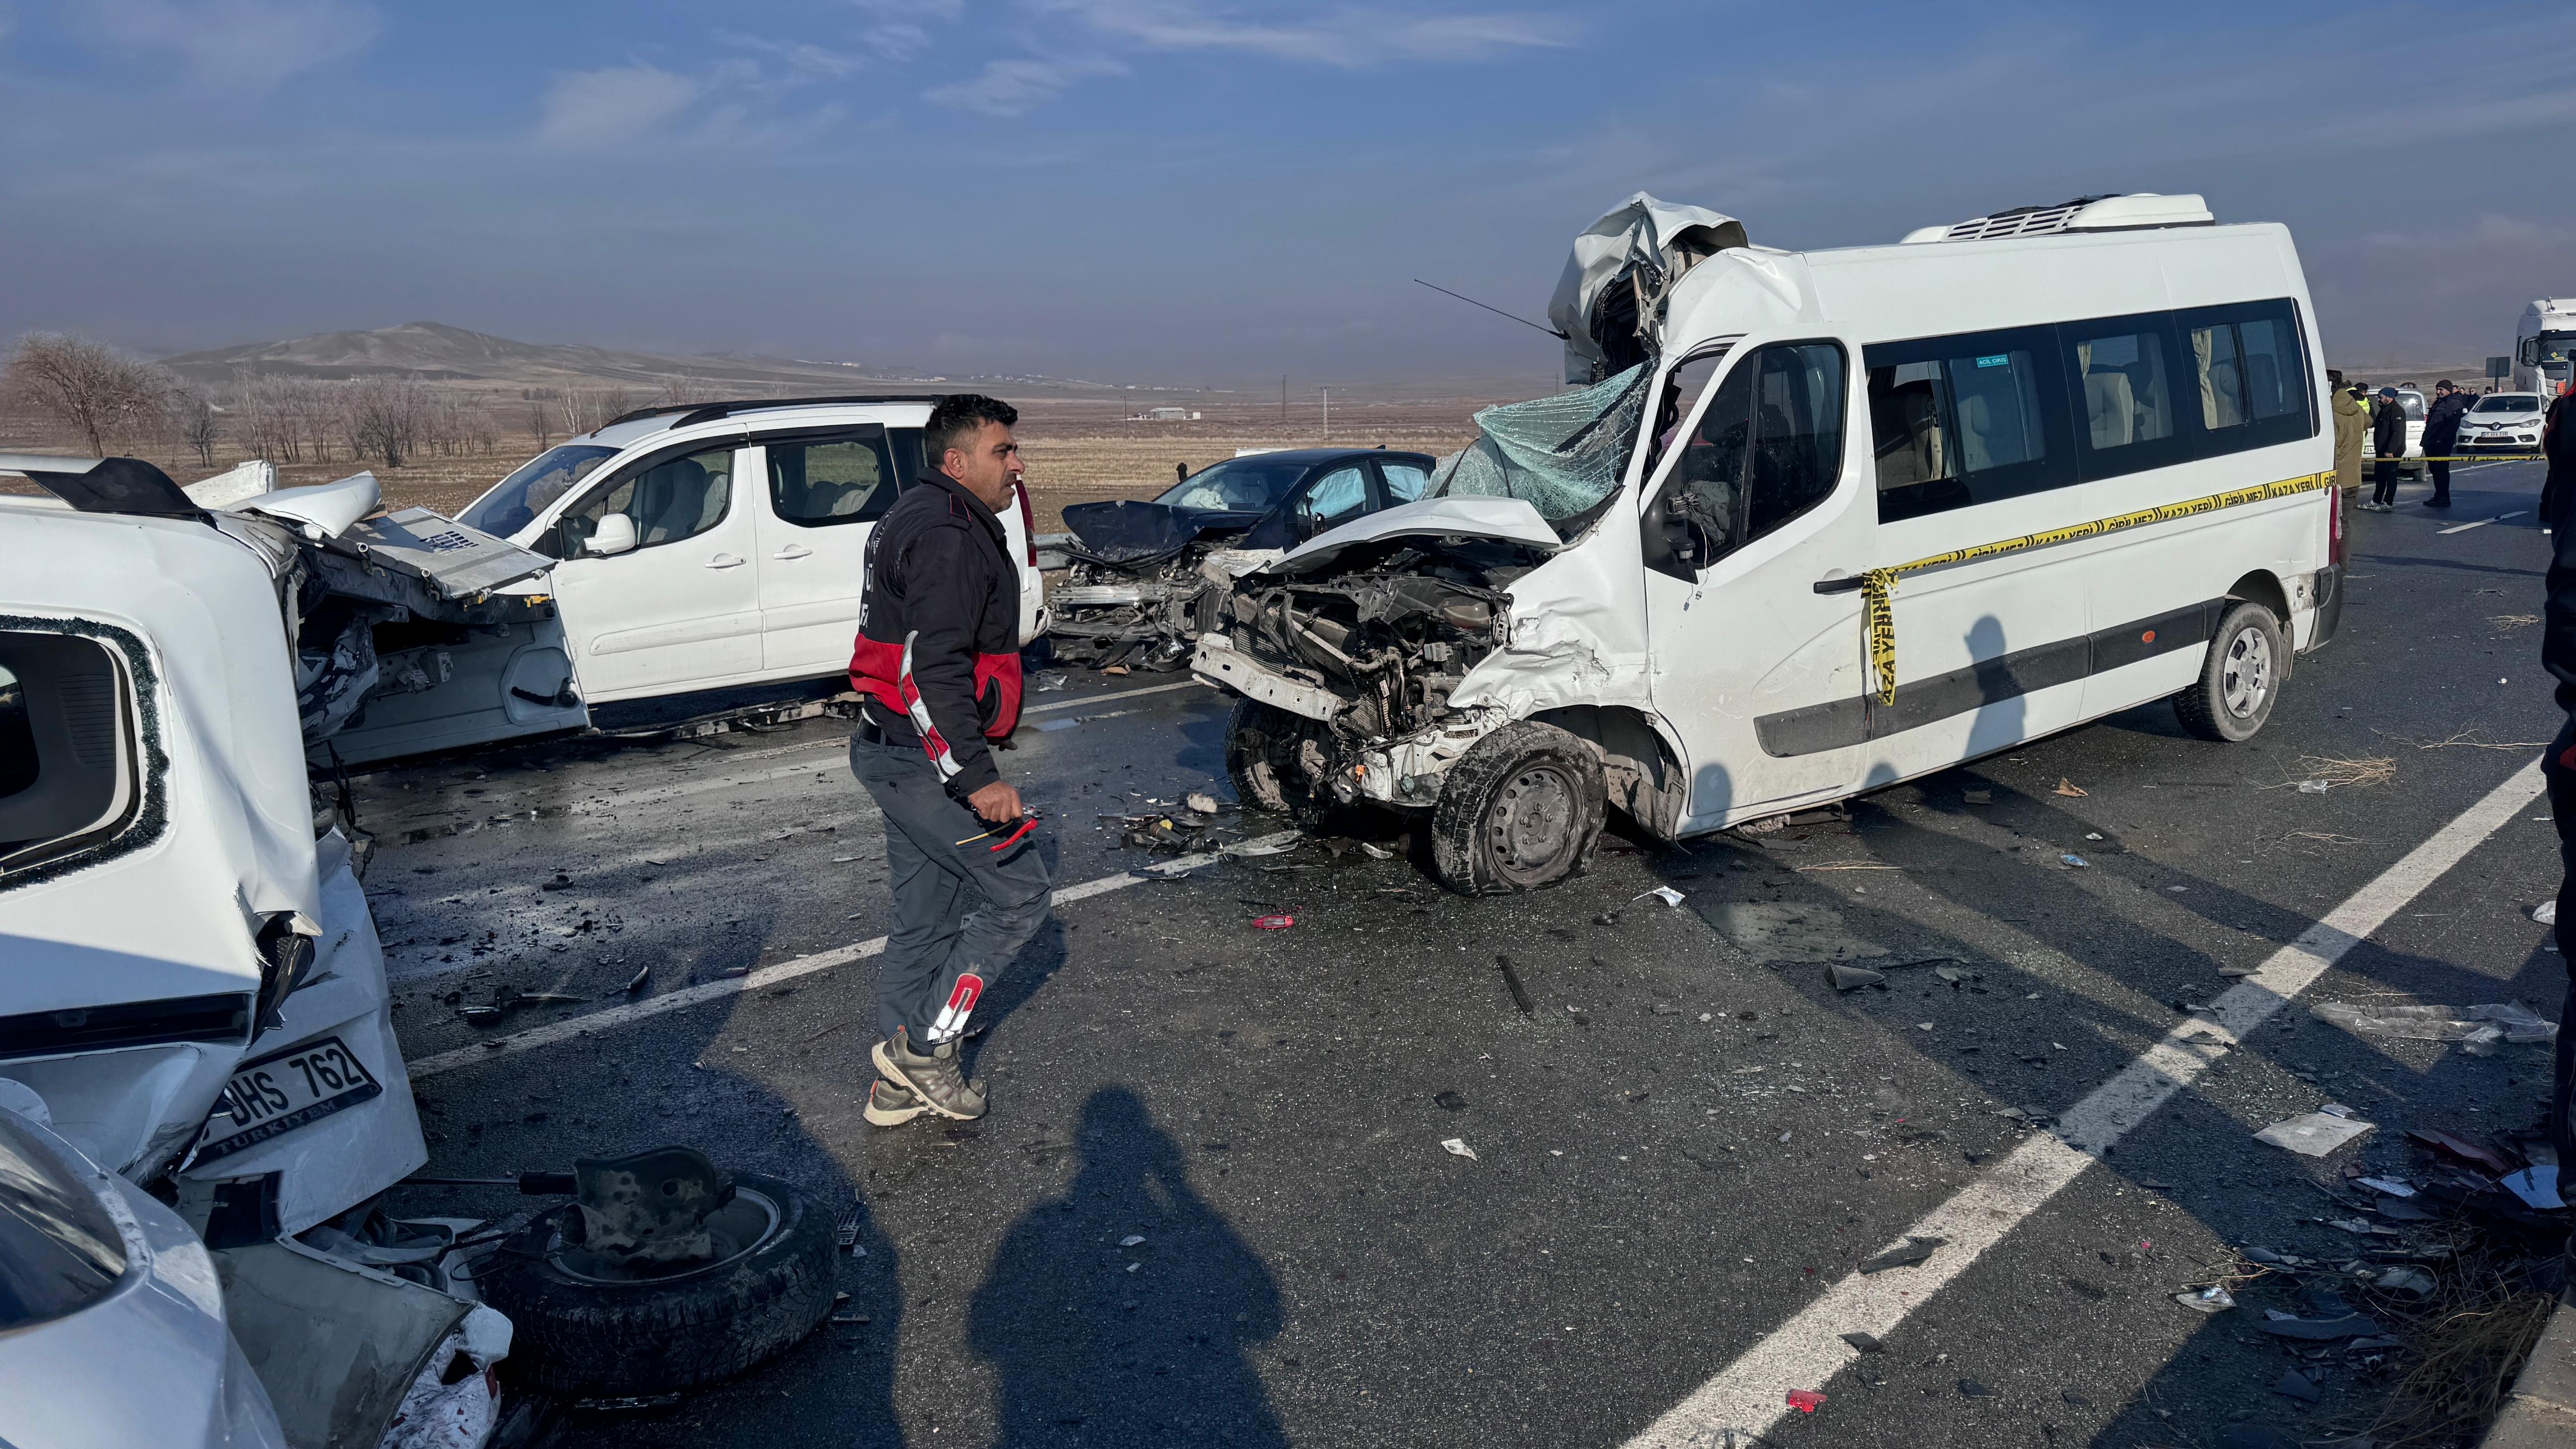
x,y
1519,811
2241,678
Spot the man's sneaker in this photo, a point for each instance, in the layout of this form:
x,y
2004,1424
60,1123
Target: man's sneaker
x,y
933,1078
890,1105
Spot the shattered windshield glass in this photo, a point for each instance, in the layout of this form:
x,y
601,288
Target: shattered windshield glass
x,y
515,501
1238,485
1561,454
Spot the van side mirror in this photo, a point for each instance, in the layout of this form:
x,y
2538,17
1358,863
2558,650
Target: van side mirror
x,y
615,534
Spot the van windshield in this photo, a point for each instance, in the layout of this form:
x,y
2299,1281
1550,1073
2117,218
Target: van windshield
x,y
1563,455
515,501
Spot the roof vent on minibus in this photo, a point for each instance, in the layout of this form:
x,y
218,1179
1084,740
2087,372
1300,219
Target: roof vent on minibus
x,y
2137,212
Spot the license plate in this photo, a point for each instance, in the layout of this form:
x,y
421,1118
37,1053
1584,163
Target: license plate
x,y
283,1091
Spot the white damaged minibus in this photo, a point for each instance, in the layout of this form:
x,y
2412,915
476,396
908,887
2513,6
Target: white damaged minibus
x,y
1820,522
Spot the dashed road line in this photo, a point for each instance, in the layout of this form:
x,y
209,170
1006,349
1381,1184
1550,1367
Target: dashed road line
x,y
1750,1395
611,1018
2481,523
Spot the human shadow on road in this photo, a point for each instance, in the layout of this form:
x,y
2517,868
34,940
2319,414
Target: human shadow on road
x,y
1087,1352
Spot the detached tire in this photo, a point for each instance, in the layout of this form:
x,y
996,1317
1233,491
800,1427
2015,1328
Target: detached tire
x,y
2241,678
1522,810
1262,744
578,1335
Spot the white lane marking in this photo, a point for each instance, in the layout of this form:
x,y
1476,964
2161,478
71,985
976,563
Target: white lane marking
x,y
628,1014
1751,1394
1092,699
2481,523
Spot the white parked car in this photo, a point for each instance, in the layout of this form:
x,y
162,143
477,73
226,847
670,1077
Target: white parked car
x,y
2503,422
712,545
1831,521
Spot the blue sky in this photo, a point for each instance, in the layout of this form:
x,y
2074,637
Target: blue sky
x,y
1207,190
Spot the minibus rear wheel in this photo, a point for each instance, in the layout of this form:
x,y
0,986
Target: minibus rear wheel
x,y
2241,678
1520,811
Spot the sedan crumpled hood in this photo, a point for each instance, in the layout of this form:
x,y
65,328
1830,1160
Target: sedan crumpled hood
x,y
1130,531
1503,520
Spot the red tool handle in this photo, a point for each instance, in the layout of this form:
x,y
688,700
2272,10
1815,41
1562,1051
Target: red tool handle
x,y
1015,837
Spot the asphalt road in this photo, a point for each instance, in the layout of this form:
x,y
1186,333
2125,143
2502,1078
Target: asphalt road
x,y
1681,1153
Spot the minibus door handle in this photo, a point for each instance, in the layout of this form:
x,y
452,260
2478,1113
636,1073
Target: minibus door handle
x,y
1839,586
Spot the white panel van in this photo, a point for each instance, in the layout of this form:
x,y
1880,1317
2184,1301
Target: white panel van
x,y
1859,515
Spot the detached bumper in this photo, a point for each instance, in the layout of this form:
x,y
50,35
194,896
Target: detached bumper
x,y
1219,663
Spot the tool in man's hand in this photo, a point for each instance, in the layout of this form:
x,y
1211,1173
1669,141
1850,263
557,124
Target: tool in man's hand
x,y
1019,833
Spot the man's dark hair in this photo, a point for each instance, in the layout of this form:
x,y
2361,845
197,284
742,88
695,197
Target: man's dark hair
x,y
2446,382
957,419
2334,377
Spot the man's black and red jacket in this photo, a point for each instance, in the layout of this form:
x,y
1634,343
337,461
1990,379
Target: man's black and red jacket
x,y
940,579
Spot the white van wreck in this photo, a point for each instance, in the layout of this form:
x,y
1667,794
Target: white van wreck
x,y
1814,523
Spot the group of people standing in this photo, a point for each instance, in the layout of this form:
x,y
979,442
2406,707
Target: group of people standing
x,y
2383,420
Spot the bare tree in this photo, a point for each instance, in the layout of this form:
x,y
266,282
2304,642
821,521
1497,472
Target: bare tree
x,y
541,419
199,427
589,409
88,387
385,418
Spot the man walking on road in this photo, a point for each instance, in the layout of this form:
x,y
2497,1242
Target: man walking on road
x,y
2558,767
2442,436
938,662
2388,441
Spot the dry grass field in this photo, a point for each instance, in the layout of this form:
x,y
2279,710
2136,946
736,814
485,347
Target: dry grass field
x,y
1077,449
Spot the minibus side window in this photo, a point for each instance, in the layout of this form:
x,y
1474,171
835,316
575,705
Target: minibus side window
x,y
2252,377
1767,448
2123,372
1962,420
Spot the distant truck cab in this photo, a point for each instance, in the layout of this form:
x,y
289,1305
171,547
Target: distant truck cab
x,y
1842,519
2543,344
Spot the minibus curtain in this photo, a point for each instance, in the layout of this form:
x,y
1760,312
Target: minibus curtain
x,y
1561,454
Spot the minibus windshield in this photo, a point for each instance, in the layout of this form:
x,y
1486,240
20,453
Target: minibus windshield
x,y
1563,455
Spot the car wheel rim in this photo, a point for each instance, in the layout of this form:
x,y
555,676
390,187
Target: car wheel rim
x,y
2245,681
1534,823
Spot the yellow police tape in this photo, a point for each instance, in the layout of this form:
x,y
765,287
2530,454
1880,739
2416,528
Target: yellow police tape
x,y
1878,586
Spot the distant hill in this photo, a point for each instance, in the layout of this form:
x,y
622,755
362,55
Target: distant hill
x,y
435,352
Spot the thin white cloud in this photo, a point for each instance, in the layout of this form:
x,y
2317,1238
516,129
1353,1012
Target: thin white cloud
x,y
248,45
800,60
590,108
1016,87
1349,37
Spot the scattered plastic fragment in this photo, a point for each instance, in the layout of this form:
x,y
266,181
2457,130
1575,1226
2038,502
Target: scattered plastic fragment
x,y
2068,787
1666,894
1049,682
2317,1330
1457,1147
1273,923
1806,1401
1865,1342
1450,1101
1978,797
2294,1384
2313,787
637,983
2495,1163
1177,866
1915,1251
1131,1240
2387,1186
2537,1186
2076,861
1200,801
1851,978
2213,1299
2314,1134
2414,1282
1971,1389
2546,913
1276,844
2477,1029
2092,834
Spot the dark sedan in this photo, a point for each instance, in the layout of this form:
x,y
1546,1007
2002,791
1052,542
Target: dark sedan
x,y
1144,578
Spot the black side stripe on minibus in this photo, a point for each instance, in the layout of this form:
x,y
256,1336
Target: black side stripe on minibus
x,y
1838,724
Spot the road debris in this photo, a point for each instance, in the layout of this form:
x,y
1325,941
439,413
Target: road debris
x,y
2494,1163
1914,1252
2314,1134
1806,1401
1131,1240
2213,1299
1512,981
1977,797
1273,923
2477,1029
1278,844
2385,1186
1200,801
2546,913
2069,788
2293,1384
2317,1330
1457,1147
2313,787
1865,1342
2076,861
1851,978
639,980
1971,1389
1666,894
2414,1282
2537,1186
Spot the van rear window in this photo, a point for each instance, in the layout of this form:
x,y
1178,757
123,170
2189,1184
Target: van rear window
x,y
1983,416
67,770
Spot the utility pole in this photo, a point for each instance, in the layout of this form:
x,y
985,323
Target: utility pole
x,y
1328,415
1283,399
